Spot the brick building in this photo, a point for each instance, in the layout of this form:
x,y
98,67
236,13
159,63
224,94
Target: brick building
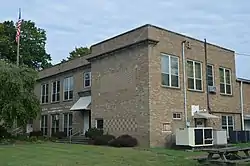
x,y
133,84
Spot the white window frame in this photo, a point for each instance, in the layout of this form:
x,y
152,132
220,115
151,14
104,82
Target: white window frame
x,y
227,125
194,77
84,85
67,79
212,73
42,121
56,99
170,70
96,120
44,85
225,81
177,113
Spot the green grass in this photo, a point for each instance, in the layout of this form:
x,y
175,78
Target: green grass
x,y
50,154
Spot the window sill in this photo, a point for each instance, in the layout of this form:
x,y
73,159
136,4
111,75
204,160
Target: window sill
x,y
68,100
193,90
55,102
228,95
171,87
177,119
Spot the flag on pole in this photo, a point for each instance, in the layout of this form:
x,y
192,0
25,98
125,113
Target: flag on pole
x,y
18,31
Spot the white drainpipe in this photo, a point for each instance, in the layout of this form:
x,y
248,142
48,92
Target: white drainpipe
x,y
242,105
184,82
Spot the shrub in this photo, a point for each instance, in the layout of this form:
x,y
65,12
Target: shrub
x,y
103,139
36,133
92,133
33,139
59,135
4,133
124,141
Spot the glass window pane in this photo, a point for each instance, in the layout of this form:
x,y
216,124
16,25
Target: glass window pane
x,y
87,83
190,83
190,70
66,95
209,70
198,84
58,86
210,81
227,76
47,89
71,94
174,81
222,88
71,83
57,96
174,65
224,120
165,64
65,84
230,120
165,79
197,70
221,75
228,89
43,89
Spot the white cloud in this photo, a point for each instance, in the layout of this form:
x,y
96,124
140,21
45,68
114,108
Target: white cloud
x,y
80,23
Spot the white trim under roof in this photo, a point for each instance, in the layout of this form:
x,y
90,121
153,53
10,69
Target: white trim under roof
x,y
81,104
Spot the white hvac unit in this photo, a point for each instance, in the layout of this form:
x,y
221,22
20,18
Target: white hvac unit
x,y
220,137
195,136
212,89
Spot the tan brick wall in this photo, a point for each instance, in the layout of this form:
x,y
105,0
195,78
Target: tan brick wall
x,y
246,98
165,101
120,93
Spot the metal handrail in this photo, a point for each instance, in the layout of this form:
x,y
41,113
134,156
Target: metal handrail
x,y
73,134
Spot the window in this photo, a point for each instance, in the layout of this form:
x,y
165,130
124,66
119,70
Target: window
x,y
87,79
55,91
169,70
225,81
227,123
54,124
67,123
176,115
44,93
210,75
99,123
194,75
44,124
68,88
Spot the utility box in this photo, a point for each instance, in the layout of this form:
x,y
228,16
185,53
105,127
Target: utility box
x,y
220,137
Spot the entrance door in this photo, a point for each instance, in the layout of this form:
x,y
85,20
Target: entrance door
x,y
85,121
200,123
54,124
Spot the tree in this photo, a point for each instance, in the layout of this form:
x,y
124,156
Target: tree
x,y
17,97
78,52
32,44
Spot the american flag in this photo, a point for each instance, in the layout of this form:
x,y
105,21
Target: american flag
x,y
18,31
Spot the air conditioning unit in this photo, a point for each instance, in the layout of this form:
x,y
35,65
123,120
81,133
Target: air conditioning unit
x,y
212,89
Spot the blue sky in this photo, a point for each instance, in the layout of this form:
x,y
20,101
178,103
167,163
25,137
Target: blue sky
x,y
83,23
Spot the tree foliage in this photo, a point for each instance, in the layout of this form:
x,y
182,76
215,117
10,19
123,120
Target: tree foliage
x,y
78,52
32,44
17,97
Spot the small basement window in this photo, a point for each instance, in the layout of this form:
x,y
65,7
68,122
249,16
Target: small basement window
x,y
99,123
176,115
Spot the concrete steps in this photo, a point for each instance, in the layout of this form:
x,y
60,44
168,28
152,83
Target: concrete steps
x,y
74,140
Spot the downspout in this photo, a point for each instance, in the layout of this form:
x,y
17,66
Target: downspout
x,y
184,82
242,106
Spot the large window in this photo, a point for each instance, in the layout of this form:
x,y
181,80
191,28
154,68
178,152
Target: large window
x,y
67,123
55,91
210,75
87,79
99,123
68,88
227,123
225,81
194,74
44,93
54,124
44,124
169,70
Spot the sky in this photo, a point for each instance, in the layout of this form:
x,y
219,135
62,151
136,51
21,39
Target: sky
x,y
76,23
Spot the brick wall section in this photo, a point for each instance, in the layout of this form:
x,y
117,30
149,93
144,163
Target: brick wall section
x,y
120,93
164,101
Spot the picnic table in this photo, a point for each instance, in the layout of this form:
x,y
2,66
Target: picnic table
x,y
228,155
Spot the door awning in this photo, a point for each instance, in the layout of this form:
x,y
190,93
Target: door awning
x,y
204,115
82,103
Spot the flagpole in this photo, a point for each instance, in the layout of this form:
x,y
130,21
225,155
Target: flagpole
x,y
18,40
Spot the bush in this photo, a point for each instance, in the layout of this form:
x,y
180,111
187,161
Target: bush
x,y
36,133
59,135
33,139
103,139
92,133
4,133
124,141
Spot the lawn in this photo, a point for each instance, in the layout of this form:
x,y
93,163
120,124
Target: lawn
x,y
52,154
